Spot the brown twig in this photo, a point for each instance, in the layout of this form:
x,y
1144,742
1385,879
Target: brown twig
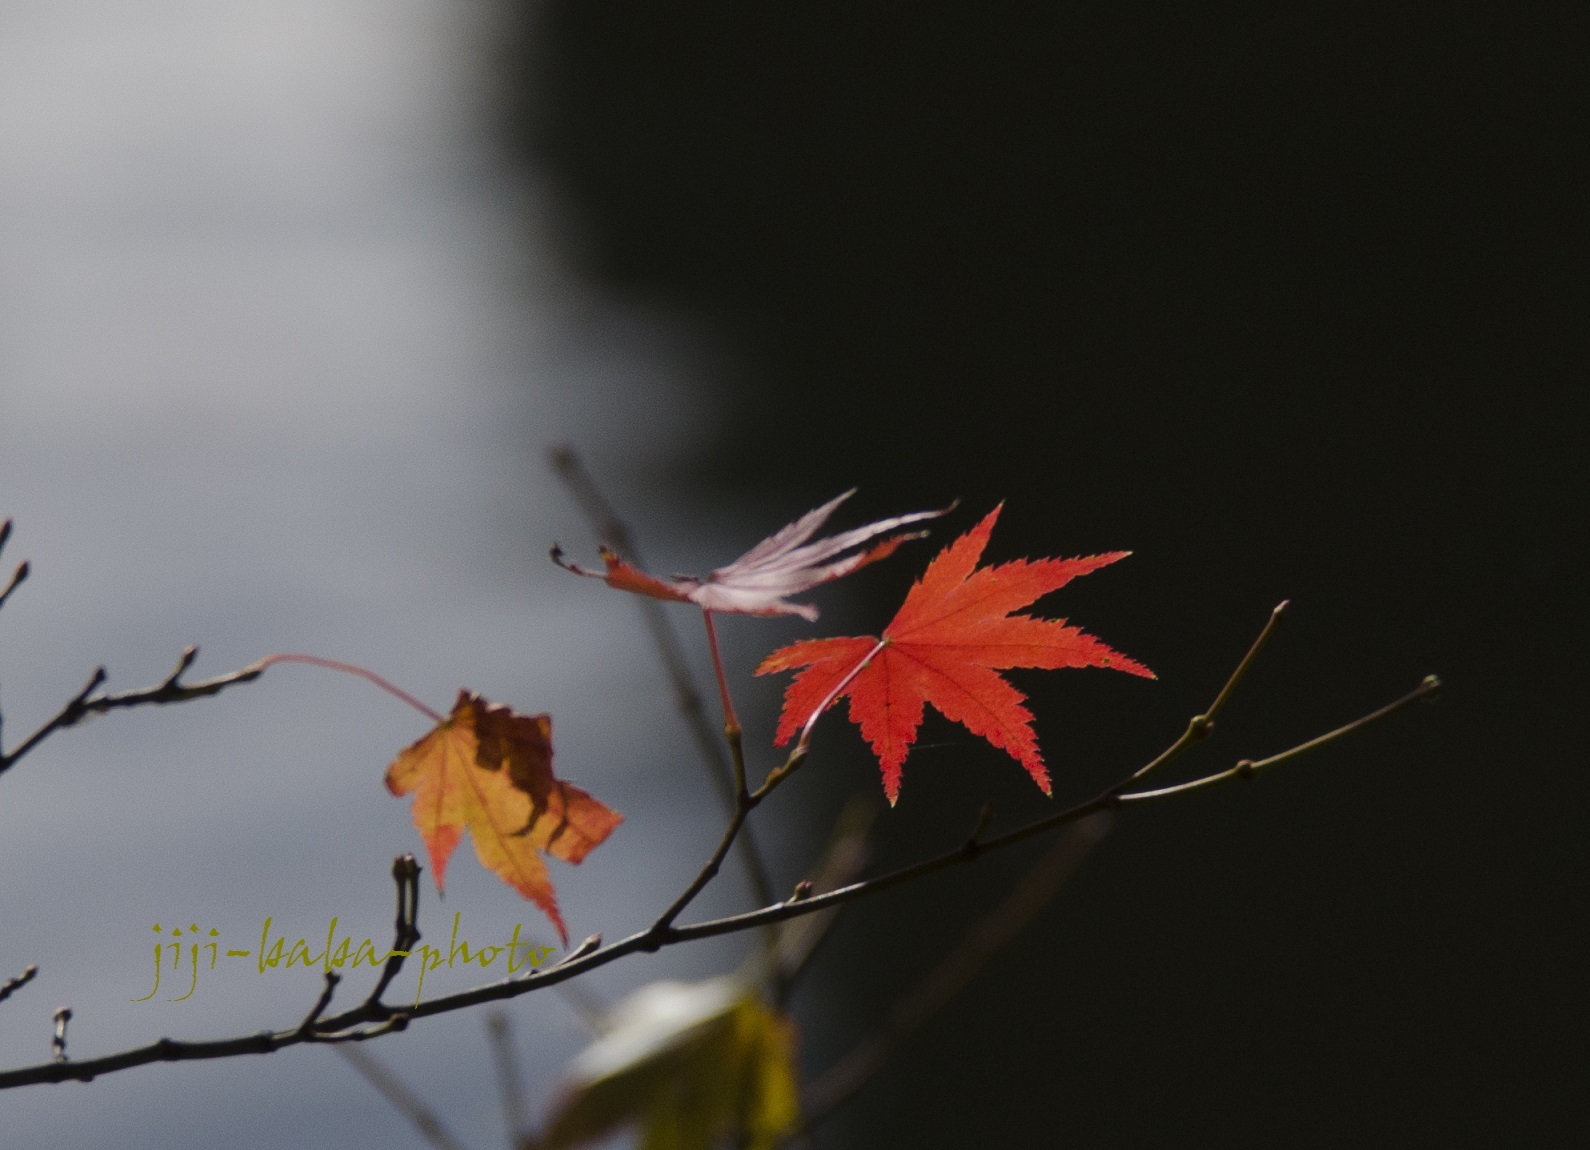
x,y
12,985
1202,726
17,577
90,701
19,574
62,1016
405,927
342,1028
307,1026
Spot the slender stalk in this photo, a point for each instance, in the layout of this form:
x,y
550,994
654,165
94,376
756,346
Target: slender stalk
x,y
1248,768
804,742
17,578
797,755
12,985
1201,726
354,669
19,574
731,721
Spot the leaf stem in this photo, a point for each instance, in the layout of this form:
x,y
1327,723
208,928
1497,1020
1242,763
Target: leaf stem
x,y
353,669
731,721
804,742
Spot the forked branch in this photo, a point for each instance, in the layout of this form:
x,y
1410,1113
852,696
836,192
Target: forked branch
x,y
372,1017
92,701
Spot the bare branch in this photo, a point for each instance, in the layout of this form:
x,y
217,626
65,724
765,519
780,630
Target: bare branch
x,y
1248,768
307,1026
90,701
345,1027
1201,726
405,928
12,985
19,574
62,1016
17,578
1106,800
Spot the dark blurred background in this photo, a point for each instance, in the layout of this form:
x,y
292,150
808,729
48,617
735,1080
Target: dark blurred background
x,y
1291,302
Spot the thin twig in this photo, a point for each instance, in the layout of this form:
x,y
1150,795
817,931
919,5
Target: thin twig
x,y
62,1016
661,933
662,929
1106,800
307,1026
1201,726
1249,768
976,947
172,690
169,690
19,574
17,577
405,927
12,985
403,1100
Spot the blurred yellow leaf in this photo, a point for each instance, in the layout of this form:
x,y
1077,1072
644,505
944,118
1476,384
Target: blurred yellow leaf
x,y
694,1065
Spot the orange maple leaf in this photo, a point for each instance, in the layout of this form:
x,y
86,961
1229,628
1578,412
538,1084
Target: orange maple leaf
x,y
951,637
488,769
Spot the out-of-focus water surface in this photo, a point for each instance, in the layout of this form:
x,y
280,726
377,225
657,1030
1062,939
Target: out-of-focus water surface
x,y
276,374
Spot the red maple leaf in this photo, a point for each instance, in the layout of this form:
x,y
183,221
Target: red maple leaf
x,y
951,637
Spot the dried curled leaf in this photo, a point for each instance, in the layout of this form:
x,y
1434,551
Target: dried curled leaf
x,y
783,564
696,1066
945,646
488,769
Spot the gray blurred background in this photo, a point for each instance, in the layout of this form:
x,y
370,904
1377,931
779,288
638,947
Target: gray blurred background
x,y
294,298
281,355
